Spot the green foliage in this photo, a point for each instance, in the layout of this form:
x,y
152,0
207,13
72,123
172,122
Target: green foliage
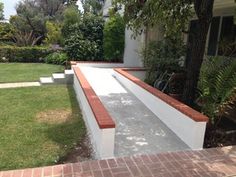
x,y
54,35
23,54
114,38
57,58
218,86
86,39
6,32
173,16
162,56
1,11
33,14
71,17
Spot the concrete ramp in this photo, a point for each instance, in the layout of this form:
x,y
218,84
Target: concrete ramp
x,y
138,130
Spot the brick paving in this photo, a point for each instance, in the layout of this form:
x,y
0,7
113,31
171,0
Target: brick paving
x,y
205,163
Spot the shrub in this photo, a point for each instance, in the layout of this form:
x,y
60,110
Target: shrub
x,y
114,38
54,35
23,54
6,32
86,39
71,17
217,85
162,56
57,58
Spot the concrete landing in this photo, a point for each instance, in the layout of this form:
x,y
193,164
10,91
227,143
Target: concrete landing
x,y
138,130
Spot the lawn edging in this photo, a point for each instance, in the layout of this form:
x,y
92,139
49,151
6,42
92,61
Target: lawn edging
x,y
100,124
184,121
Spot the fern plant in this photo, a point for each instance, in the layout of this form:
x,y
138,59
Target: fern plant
x,y
217,86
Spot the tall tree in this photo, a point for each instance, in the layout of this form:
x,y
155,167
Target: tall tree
x,y
1,11
174,16
32,15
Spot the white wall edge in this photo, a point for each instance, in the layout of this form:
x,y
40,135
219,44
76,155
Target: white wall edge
x,y
102,140
101,65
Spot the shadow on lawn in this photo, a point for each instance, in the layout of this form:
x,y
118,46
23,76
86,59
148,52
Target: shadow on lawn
x,y
71,135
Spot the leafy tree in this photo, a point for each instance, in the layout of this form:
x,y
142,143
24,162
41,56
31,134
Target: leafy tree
x,y
174,15
1,11
114,38
86,39
6,32
71,16
54,35
32,15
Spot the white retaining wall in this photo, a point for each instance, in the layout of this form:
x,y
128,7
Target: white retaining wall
x,y
138,74
101,139
188,130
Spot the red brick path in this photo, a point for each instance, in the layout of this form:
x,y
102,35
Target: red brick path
x,y
205,163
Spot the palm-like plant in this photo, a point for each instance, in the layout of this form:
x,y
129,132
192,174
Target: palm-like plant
x,y
218,87
26,39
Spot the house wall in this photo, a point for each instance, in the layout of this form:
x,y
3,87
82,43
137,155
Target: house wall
x,y
133,47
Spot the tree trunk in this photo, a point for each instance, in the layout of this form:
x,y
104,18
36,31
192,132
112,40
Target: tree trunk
x,y
203,9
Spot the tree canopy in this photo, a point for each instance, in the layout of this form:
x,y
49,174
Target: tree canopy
x,y
174,17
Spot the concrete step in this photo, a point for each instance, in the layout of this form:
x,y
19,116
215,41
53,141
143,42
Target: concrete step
x,y
59,78
46,80
69,74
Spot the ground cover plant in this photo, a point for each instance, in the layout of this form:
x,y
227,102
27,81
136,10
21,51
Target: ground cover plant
x,y
22,72
38,126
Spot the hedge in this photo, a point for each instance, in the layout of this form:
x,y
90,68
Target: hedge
x,y
33,54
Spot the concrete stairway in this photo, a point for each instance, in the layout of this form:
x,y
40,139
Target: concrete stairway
x,y
58,78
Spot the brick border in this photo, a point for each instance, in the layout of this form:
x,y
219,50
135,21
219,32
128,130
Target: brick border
x,y
216,162
104,120
193,114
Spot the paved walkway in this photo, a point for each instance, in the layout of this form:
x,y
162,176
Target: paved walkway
x,y
206,163
19,84
138,130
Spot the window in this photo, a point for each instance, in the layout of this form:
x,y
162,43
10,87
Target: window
x,y
222,37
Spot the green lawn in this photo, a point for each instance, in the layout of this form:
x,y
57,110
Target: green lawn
x,y
23,72
38,125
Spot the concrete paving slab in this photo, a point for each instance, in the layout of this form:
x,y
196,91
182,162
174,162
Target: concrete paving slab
x,y
19,84
138,130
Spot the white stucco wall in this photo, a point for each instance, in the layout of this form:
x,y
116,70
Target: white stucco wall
x,y
133,48
102,139
188,130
